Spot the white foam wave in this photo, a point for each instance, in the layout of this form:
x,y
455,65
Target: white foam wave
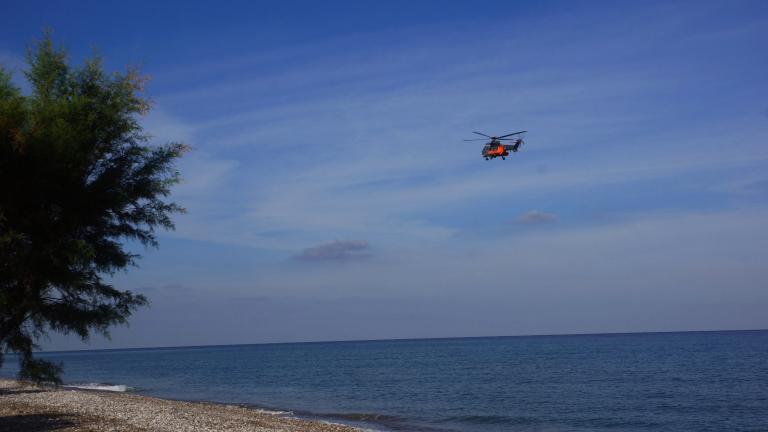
x,y
101,387
345,425
273,412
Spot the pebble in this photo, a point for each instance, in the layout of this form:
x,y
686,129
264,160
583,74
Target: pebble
x,y
25,407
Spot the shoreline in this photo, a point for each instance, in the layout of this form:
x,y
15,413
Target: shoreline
x,y
25,407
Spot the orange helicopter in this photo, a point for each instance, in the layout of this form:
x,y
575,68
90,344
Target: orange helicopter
x,y
495,148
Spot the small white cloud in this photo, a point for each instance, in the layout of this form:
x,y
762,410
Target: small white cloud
x,y
536,217
339,250
203,174
165,127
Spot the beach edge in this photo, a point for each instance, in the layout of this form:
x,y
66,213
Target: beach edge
x,y
26,407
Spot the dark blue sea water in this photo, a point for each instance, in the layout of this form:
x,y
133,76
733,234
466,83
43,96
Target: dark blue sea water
x,y
702,381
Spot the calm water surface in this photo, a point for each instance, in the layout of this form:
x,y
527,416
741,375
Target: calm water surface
x,y
703,381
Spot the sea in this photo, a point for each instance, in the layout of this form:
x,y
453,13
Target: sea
x,y
690,381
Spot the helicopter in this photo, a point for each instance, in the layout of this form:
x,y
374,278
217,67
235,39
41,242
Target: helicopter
x,y
495,148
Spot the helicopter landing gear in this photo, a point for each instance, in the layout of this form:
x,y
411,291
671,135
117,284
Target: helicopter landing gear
x,y
503,158
486,159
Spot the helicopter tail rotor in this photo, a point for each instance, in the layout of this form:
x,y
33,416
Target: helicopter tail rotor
x,y
518,143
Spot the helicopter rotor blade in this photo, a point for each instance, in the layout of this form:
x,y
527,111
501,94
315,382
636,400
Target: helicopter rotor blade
x,y
480,133
515,133
476,139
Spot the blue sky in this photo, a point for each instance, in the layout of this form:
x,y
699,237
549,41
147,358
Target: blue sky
x,y
331,196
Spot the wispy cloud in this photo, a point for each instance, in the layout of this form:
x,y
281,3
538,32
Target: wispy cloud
x,y
535,217
366,143
338,250
357,137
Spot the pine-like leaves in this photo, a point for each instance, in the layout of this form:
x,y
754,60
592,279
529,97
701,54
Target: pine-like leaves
x,y
77,178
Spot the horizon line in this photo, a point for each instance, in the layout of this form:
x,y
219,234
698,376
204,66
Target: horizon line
x,y
402,339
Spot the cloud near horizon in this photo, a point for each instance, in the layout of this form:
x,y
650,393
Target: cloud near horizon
x,y
337,250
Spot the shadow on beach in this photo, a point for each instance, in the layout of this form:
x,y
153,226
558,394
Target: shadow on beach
x,y
5,392
34,422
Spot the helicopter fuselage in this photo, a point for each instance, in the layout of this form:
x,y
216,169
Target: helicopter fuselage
x,y
496,149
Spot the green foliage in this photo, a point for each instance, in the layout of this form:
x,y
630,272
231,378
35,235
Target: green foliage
x,y
77,178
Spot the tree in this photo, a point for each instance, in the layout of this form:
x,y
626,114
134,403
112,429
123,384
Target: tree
x,y
77,179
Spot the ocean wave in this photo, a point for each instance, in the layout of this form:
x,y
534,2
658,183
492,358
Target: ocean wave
x,y
491,420
272,412
365,417
342,424
101,387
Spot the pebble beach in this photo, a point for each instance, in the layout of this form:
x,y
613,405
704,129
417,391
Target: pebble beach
x,y
27,408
